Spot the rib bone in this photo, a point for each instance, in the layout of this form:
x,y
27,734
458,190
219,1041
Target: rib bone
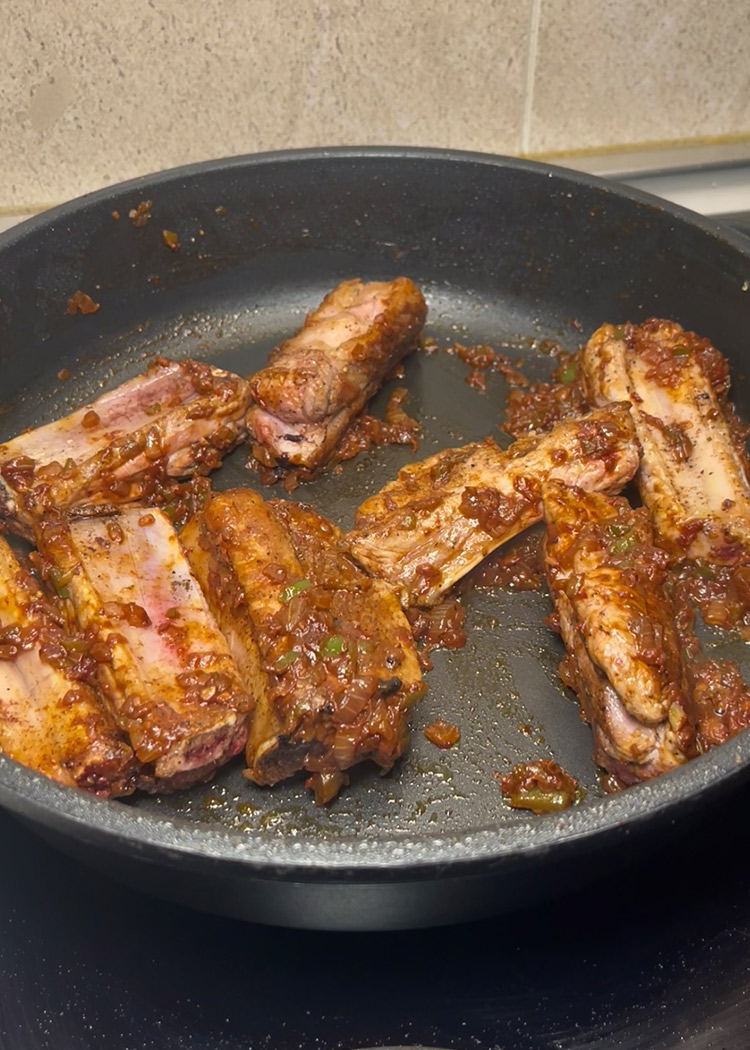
x,y
164,666
692,475
441,516
174,420
317,381
335,648
624,661
51,720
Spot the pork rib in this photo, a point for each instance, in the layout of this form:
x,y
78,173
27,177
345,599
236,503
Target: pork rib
x,y
175,420
242,558
163,664
693,475
50,719
339,661
316,382
443,515
624,661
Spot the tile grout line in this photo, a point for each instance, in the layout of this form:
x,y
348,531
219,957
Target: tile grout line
x,y
531,56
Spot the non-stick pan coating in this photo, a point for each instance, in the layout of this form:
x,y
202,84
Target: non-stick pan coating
x,y
506,252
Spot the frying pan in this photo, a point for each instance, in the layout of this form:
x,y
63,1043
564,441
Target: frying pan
x,y
507,252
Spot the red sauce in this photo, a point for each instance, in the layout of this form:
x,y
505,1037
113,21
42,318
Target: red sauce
x,y
90,420
81,303
542,786
720,592
141,214
442,734
427,578
482,358
367,431
441,627
677,437
541,405
496,512
666,347
476,379
721,698
519,566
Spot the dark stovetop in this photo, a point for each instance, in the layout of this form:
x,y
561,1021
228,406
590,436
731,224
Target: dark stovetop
x,y
656,958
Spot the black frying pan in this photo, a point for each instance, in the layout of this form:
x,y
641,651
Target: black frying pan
x,y
505,251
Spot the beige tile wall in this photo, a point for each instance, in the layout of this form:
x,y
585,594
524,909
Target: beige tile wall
x,y
93,91
624,71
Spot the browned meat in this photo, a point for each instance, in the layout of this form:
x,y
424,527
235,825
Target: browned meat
x,y
443,515
693,475
339,661
243,560
317,381
50,719
175,420
162,663
606,578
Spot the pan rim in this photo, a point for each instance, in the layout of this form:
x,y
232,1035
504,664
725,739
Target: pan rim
x,y
31,794
353,153
28,793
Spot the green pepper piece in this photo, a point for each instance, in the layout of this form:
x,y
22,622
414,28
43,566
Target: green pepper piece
x,y
539,801
569,372
332,645
621,538
286,659
291,589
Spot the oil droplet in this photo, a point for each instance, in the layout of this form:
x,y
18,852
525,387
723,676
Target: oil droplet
x,y
247,809
213,800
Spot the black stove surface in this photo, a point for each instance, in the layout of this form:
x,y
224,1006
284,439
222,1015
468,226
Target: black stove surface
x,y
655,958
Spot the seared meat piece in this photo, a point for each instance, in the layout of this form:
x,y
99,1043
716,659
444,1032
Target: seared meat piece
x,y
316,382
441,516
174,420
243,559
693,473
340,665
51,720
606,578
163,664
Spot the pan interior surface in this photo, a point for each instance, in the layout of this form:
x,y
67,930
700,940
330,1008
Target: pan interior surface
x,y
507,253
